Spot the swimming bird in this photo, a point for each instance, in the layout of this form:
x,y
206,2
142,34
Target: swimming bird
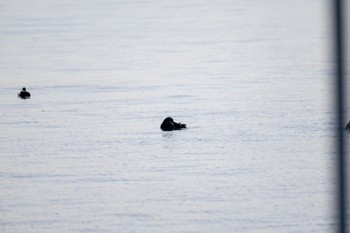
x,y
24,94
169,125
348,126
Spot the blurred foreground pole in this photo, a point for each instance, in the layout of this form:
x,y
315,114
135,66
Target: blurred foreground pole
x,y
339,71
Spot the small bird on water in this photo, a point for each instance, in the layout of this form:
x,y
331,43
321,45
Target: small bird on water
x,y
348,126
24,94
169,125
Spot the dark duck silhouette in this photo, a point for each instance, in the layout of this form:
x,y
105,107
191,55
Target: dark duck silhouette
x,y
24,94
169,124
348,126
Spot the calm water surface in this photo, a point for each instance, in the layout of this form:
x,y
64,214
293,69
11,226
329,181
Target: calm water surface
x,y
251,79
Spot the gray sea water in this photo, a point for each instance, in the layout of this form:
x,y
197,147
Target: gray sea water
x,y
251,79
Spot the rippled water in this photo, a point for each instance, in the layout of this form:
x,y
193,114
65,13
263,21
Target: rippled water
x,y
251,79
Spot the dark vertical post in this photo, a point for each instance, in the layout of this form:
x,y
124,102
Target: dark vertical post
x,y
339,71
